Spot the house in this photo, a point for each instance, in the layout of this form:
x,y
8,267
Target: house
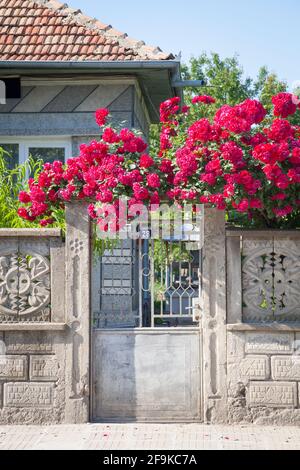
x,y
69,64
58,66
173,331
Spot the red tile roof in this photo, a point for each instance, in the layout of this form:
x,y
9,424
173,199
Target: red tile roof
x,y
41,30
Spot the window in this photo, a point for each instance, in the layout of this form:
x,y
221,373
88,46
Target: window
x,y
11,154
48,154
48,149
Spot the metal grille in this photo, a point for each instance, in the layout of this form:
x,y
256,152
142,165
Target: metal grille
x,y
149,283
176,284
117,293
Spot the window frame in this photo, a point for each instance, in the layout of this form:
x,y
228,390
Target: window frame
x,y
25,143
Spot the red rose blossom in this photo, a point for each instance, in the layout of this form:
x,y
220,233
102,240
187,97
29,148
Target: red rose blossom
x,y
153,180
284,105
146,161
201,131
205,99
24,197
283,212
235,162
169,108
46,222
280,130
101,115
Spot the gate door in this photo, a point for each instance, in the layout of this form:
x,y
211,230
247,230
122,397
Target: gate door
x,y
146,336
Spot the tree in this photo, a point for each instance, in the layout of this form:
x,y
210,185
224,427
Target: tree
x,y
268,85
224,80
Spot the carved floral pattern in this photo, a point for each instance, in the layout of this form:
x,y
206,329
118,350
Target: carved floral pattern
x,y
24,287
271,282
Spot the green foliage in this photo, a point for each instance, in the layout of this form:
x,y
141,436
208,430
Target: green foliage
x,y
12,181
100,245
240,220
268,85
166,253
223,79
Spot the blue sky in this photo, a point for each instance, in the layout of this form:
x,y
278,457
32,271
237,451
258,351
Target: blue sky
x,y
261,32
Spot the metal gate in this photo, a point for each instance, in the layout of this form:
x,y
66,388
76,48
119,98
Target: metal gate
x,y
146,336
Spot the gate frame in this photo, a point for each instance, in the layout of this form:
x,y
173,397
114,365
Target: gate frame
x,y
79,364
214,317
78,313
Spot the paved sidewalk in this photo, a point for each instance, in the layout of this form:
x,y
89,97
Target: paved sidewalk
x,y
148,437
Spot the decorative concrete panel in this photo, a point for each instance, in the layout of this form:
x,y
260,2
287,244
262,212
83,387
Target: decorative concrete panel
x,y
11,103
28,343
31,395
273,394
286,368
43,368
141,115
255,368
297,344
235,346
270,279
25,281
13,367
269,343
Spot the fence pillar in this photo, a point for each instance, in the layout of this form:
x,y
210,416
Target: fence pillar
x,y
78,261
214,317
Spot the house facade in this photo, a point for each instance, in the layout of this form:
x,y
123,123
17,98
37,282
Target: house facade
x,y
69,65
66,65
174,330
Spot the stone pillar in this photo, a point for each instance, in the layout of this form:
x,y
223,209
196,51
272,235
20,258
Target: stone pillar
x,y
214,317
78,271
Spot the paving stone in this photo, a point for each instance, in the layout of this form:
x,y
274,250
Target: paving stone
x,y
149,437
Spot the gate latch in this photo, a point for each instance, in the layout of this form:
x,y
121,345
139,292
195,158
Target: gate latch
x,y
196,309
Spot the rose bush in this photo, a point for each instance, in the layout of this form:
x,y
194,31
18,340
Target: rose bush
x,y
243,161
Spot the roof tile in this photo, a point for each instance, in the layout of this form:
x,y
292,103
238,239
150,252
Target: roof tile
x,y
61,49
18,39
102,26
9,39
40,40
50,30
54,4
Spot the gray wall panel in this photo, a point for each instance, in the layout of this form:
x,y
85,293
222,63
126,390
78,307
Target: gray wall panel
x,y
69,99
24,124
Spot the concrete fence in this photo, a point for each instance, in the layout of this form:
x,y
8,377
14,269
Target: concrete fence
x,y
263,330
44,323
250,327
